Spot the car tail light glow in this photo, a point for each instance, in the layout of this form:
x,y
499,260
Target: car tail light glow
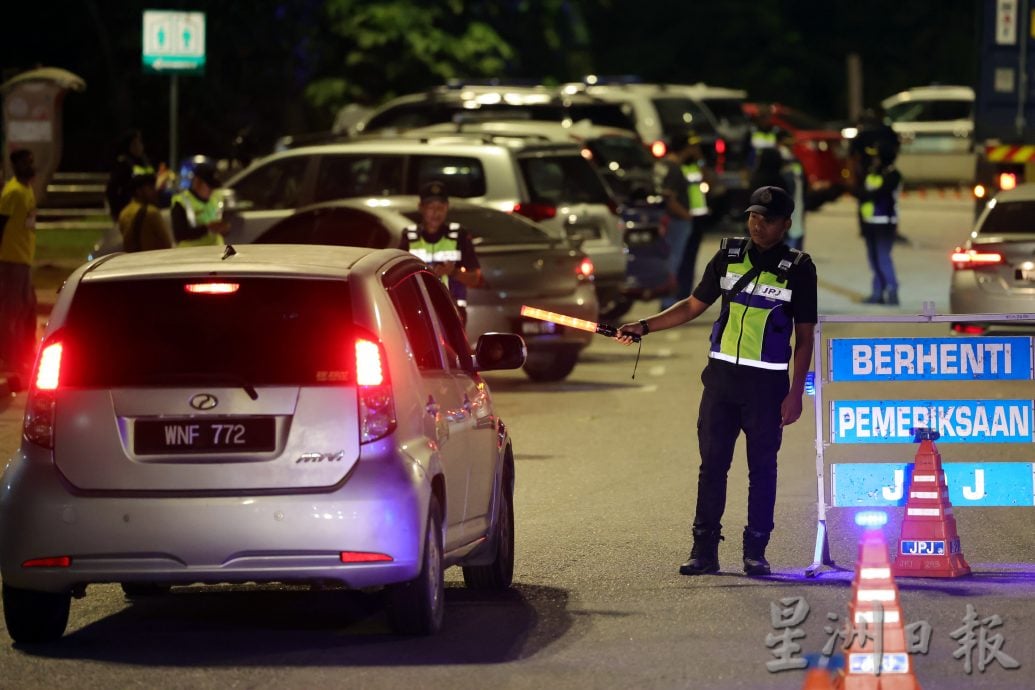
x,y
720,146
968,328
585,269
1007,180
51,562
376,402
364,557
536,211
38,424
971,258
658,149
212,288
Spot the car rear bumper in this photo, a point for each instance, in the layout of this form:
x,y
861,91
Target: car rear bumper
x,y
299,537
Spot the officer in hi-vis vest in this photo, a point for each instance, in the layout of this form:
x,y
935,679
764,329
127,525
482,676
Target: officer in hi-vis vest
x,y
768,293
445,247
196,213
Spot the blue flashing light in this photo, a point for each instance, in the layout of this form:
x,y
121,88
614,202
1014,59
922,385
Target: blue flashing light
x,y
810,383
871,518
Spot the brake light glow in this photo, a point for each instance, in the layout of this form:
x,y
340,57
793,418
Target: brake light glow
x,y
52,562
536,211
369,371
48,374
658,149
585,269
364,557
1007,180
968,328
720,146
376,400
971,258
212,288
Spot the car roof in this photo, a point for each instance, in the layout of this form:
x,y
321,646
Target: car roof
x,y
404,142
546,131
1022,192
698,90
251,259
934,91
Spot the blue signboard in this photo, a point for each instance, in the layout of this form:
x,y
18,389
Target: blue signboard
x,y
970,484
931,359
956,421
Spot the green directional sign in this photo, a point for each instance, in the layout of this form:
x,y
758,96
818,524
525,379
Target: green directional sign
x,y
174,42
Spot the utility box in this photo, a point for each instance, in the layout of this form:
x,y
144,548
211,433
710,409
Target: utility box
x,y
32,103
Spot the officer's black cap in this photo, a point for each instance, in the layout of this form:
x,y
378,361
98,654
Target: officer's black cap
x,y
206,172
434,191
771,202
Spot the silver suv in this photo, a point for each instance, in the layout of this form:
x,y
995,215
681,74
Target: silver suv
x,y
551,183
278,413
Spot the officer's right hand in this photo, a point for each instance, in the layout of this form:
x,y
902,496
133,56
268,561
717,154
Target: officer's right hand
x,y
219,227
626,328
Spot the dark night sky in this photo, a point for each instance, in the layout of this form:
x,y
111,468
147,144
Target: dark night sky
x,y
261,55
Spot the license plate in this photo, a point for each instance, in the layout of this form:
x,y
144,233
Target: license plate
x,y
584,232
215,435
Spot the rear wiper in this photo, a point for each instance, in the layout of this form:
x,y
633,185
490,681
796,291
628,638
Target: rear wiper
x,y
208,377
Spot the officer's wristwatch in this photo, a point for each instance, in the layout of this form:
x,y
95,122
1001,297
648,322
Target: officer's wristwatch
x,y
644,326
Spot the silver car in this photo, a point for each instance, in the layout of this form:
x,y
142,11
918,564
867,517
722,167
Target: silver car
x,y
300,414
994,271
521,264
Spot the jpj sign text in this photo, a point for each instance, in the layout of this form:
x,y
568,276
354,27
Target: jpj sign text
x,y
956,421
984,484
931,359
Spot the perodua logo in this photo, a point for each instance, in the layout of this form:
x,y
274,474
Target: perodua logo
x,y
204,401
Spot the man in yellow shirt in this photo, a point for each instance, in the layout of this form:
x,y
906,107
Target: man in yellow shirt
x,y
17,252
140,222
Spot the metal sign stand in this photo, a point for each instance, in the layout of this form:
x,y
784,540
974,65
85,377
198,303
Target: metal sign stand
x,y
821,554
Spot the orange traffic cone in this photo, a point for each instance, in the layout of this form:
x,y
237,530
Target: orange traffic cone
x,y
877,656
928,544
818,679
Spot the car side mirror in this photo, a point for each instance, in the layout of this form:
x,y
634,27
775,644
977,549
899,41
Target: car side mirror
x,y
499,351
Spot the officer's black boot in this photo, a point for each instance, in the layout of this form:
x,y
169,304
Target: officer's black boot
x,y
704,557
891,297
754,553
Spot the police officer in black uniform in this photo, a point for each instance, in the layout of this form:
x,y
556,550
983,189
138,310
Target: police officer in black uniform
x,y
445,247
768,293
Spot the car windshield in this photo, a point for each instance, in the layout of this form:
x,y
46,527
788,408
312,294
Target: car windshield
x,y
155,332
930,111
603,114
1011,218
728,111
491,228
679,114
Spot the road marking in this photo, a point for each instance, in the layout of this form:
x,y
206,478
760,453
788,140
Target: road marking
x,y
657,371
840,290
647,389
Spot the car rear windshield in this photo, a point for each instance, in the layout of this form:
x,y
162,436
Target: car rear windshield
x,y
930,111
155,332
563,180
1012,218
489,227
728,111
679,114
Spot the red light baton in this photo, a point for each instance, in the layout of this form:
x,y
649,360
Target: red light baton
x,y
572,322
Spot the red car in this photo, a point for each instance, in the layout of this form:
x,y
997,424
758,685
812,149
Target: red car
x,y
820,150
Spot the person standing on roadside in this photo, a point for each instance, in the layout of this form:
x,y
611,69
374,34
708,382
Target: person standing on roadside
x,y
196,213
17,253
878,212
768,292
678,217
130,161
445,247
141,223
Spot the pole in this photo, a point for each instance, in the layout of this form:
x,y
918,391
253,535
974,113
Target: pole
x,y
174,108
854,81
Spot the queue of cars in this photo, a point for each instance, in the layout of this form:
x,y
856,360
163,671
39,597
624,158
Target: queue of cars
x,y
265,413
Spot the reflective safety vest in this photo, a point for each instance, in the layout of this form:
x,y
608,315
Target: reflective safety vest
x,y
882,210
445,248
142,170
763,140
694,178
201,213
755,325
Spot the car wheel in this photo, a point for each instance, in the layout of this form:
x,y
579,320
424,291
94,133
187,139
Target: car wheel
x,y
551,366
35,616
417,607
144,589
499,574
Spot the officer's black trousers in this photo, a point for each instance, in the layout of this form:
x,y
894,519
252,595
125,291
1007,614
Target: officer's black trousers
x,y
737,399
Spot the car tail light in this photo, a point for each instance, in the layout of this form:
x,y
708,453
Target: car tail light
x,y
51,562
968,328
212,288
658,149
38,426
536,211
1007,180
364,557
971,258
376,402
720,146
585,268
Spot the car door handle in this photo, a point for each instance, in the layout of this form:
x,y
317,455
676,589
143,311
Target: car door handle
x,y
432,407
